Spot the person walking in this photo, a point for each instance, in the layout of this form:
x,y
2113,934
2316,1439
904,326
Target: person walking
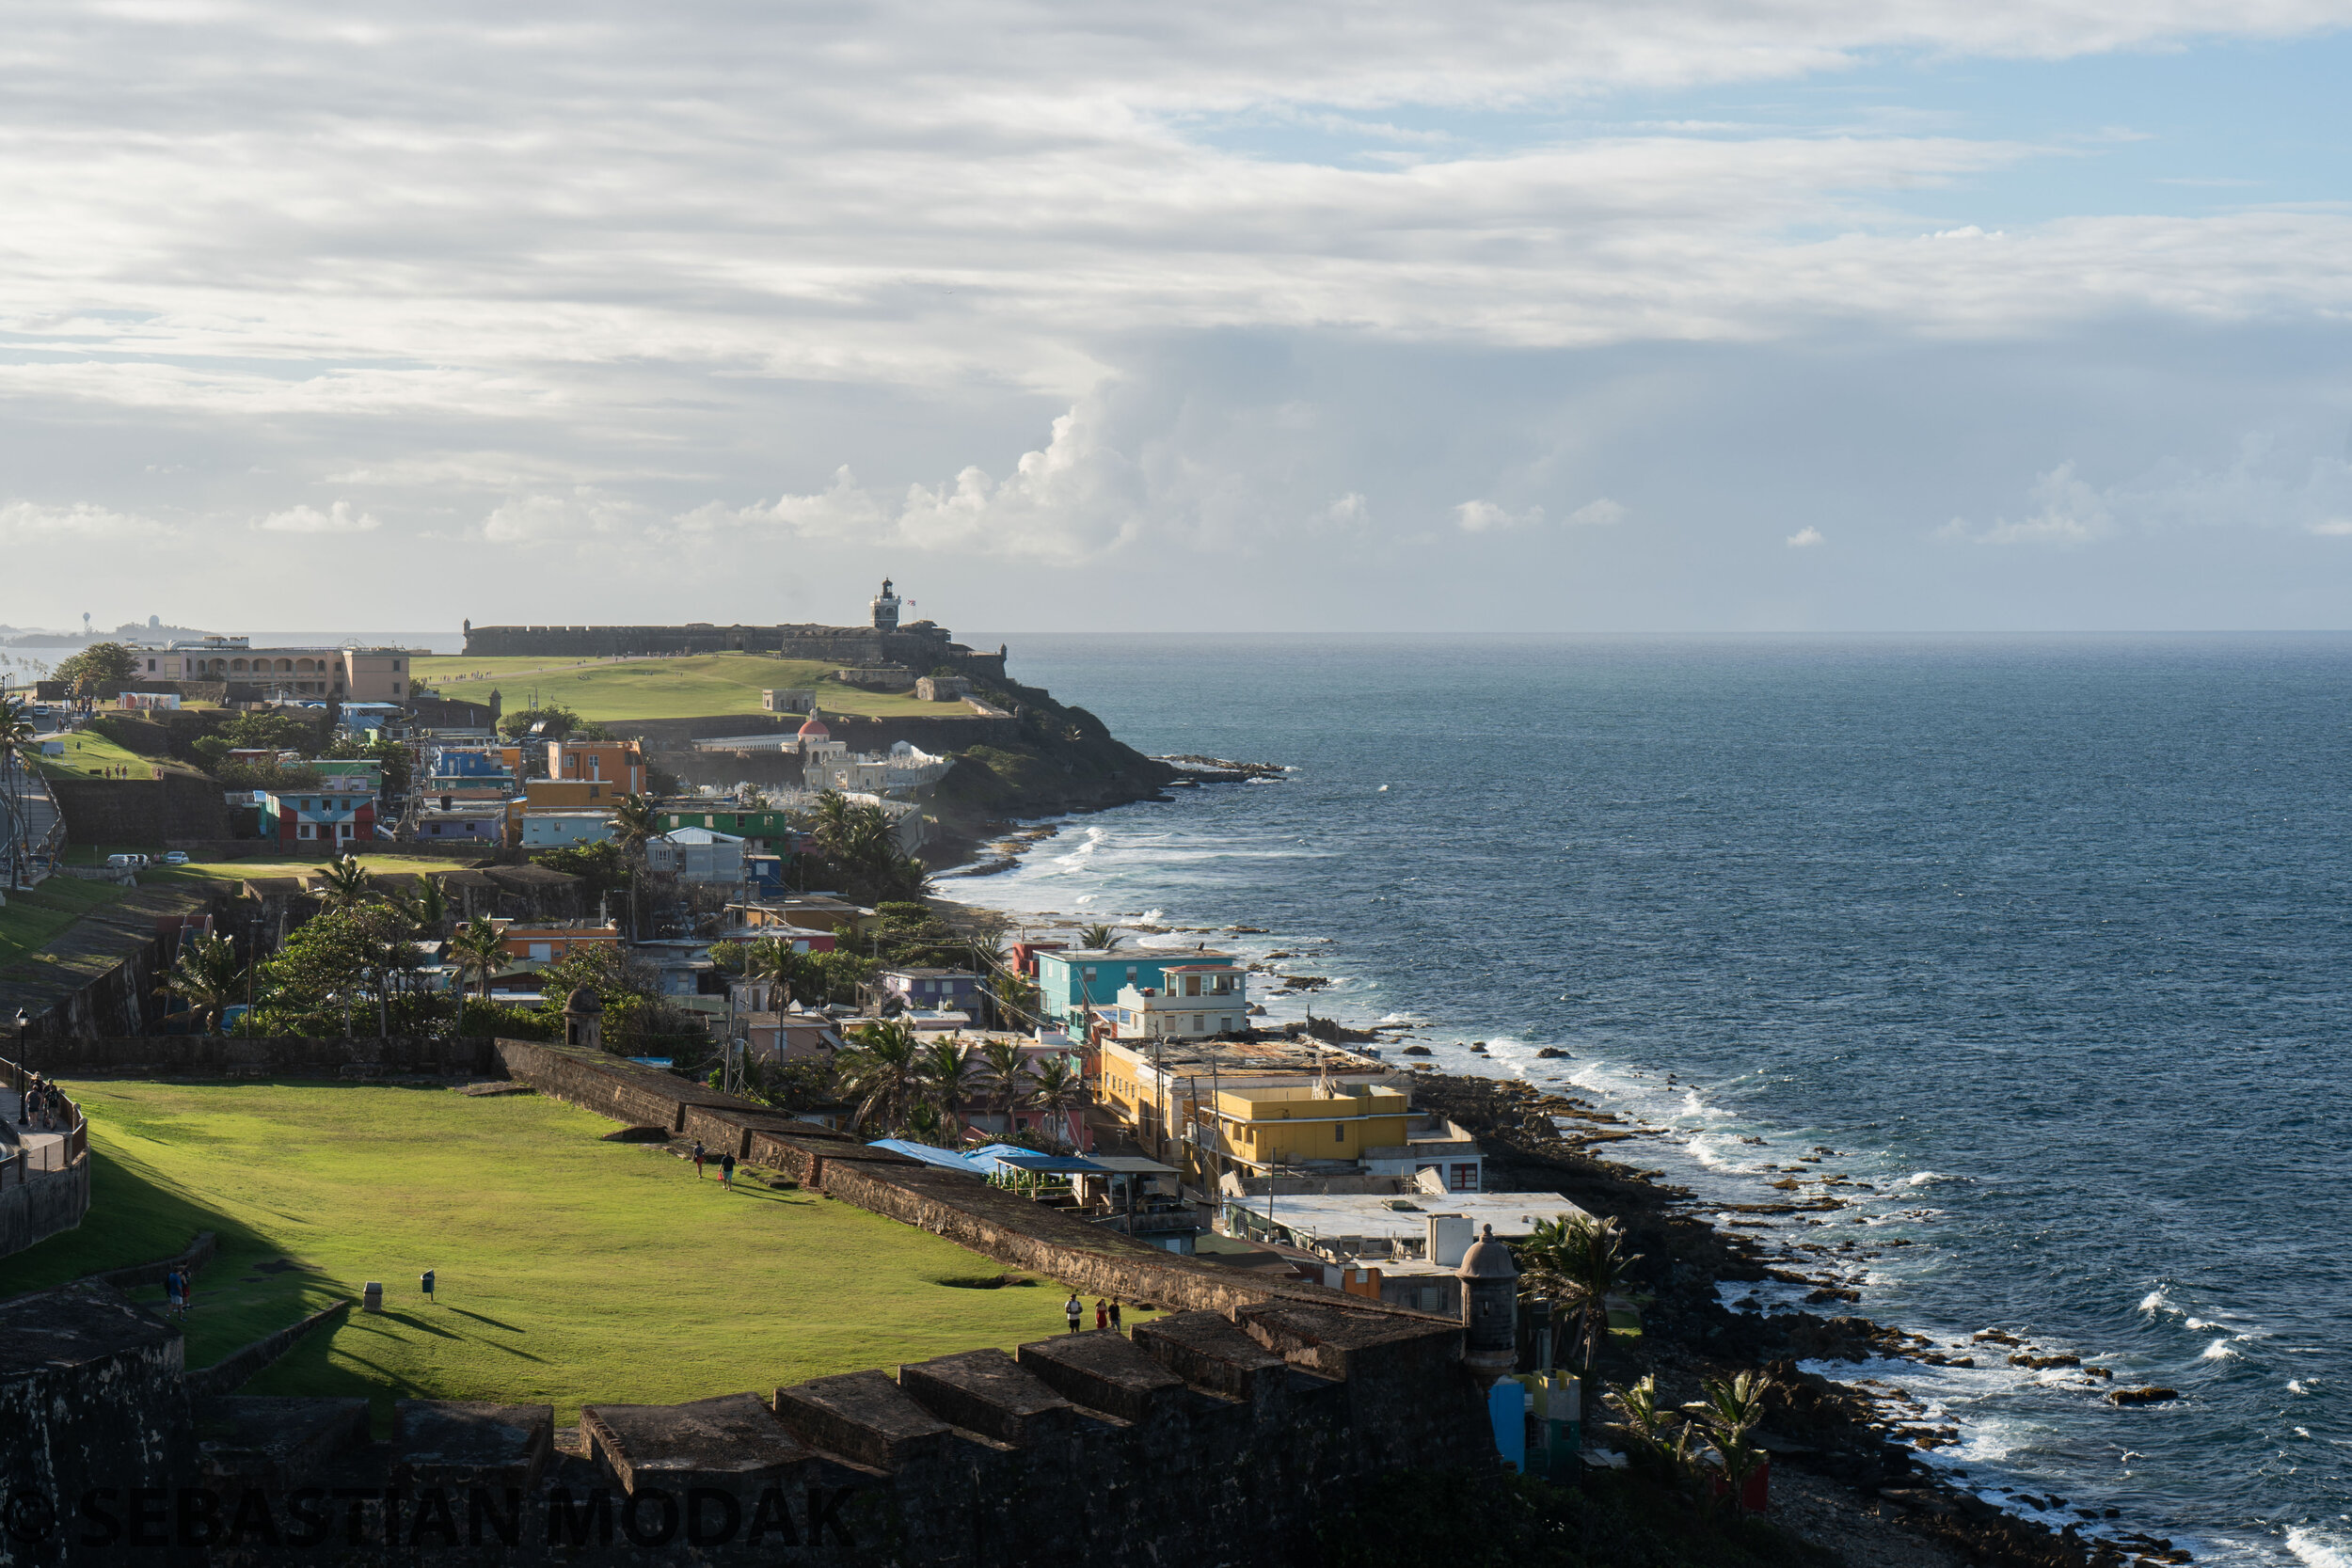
x,y
1102,1314
726,1171
1071,1310
698,1158
1115,1328
171,1292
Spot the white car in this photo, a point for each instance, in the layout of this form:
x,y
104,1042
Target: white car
x,y
175,857
123,862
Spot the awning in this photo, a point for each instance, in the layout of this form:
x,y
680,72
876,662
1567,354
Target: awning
x,y
947,1158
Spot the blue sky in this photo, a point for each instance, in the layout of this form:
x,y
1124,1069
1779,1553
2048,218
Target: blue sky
x,y
1686,316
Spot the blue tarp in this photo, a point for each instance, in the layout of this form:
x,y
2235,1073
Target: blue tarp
x,y
999,1158
947,1158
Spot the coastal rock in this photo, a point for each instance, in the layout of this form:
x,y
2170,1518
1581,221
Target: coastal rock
x,y
2149,1395
1479,1046
1551,1051
1995,1336
1414,1050
2039,1363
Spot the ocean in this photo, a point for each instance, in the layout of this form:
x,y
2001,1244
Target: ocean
x,y
2048,939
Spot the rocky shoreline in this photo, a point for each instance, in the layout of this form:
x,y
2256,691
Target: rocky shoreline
x,y
1851,1453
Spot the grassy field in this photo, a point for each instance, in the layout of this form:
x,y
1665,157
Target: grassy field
x,y
257,865
34,917
570,1269
92,756
657,687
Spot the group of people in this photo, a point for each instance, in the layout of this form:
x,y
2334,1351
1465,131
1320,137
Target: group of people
x,y
726,1166
42,1105
1105,1312
176,1283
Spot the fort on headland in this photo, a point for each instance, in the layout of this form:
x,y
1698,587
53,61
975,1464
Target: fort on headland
x,y
920,646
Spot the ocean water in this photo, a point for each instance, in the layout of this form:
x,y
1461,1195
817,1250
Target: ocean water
x,y
2048,939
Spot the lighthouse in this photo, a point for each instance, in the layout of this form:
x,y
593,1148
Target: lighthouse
x,y
885,609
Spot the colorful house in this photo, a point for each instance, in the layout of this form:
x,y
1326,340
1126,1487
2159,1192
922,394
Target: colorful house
x,y
544,940
616,761
932,990
565,830
331,809
1084,980
767,828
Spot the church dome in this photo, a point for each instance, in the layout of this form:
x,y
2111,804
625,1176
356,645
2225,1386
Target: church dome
x,y
814,728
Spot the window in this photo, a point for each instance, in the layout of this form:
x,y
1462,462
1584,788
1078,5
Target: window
x,y
1339,1132
1465,1179
543,950
1225,1025
436,827
1199,1025
395,670
307,830
1090,971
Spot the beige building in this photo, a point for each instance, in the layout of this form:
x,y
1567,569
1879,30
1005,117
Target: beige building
x,y
349,675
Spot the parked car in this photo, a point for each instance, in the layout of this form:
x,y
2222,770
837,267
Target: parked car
x,y
123,862
175,857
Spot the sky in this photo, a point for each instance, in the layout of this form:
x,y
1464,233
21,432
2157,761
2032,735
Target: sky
x,y
1675,316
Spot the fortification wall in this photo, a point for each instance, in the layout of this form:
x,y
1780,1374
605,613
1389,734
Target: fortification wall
x,y
141,810
269,1056
837,645
37,1205
98,978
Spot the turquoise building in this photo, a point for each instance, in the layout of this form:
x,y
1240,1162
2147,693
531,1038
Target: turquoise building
x,y
1070,981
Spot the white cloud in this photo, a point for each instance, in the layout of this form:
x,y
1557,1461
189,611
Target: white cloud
x,y
25,521
1598,512
2333,528
1477,516
1805,539
338,518
2068,511
581,516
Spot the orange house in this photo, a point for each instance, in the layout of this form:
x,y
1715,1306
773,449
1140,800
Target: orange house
x,y
616,761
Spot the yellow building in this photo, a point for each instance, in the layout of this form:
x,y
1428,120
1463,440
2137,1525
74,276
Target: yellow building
x,y
1297,1126
571,795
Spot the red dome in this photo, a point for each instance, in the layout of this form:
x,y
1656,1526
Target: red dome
x,y
815,729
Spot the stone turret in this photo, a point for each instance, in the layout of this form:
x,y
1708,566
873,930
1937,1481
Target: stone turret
x,y
1490,1300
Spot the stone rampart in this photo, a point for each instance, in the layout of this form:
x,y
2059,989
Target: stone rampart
x,y
971,1213
98,978
1206,1437
266,1056
920,649
141,810
37,1205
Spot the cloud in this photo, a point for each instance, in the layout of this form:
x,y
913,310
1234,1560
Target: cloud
x,y
26,521
1599,513
2335,527
581,516
2069,512
338,518
1477,516
1805,539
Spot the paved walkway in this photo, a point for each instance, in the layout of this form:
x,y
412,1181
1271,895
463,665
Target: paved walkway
x,y
40,818
45,1150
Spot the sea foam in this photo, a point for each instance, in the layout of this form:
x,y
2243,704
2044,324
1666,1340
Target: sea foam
x,y
2315,1550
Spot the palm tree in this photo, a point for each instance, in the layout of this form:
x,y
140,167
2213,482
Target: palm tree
x,y
883,1069
16,733
1650,1427
425,907
832,823
1095,938
1004,1072
1059,1090
387,954
633,822
205,977
1732,1406
477,951
344,885
1581,1263
947,1068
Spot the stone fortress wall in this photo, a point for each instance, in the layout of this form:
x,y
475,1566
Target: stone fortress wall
x,y
919,648
1219,1434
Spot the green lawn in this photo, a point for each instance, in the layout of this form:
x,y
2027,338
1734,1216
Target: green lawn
x,y
693,688
88,755
34,918
570,1269
263,865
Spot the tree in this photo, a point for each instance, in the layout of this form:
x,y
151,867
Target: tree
x,y
205,977
633,823
268,730
392,754
947,1069
1581,1263
477,952
425,907
16,736
100,664
1097,937
1059,1092
387,956
306,990
1731,1407
1004,1073
881,1071
562,724
344,885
